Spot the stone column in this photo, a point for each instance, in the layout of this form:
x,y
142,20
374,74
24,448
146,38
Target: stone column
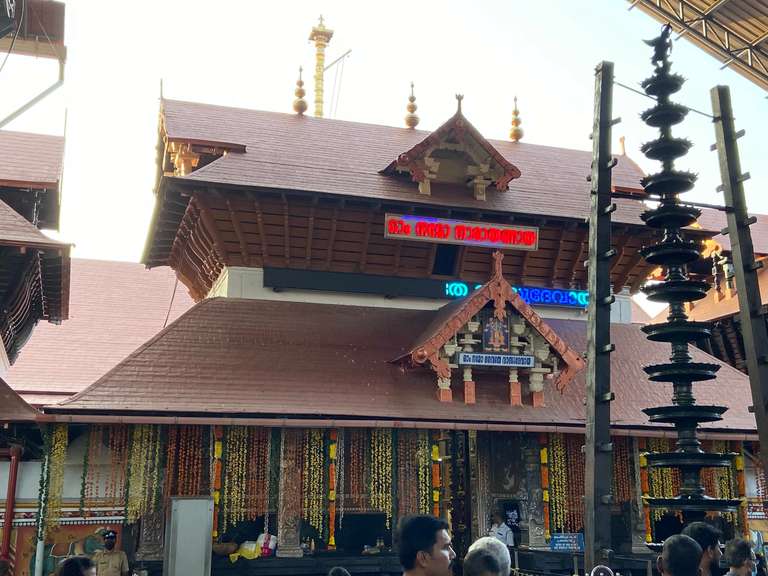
x,y
289,515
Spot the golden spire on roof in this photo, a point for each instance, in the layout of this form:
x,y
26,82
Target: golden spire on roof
x,y
320,35
411,119
516,133
459,98
299,104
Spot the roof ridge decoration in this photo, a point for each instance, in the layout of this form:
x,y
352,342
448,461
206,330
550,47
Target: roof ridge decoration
x,y
456,153
461,312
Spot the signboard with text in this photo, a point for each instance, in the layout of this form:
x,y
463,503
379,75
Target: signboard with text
x,y
505,360
567,542
426,229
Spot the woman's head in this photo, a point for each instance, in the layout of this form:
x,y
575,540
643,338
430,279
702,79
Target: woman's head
x,y
77,566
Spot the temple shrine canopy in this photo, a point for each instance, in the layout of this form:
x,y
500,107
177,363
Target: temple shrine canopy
x,y
247,188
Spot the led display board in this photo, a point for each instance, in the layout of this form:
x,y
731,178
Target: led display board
x,y
392,286
426,229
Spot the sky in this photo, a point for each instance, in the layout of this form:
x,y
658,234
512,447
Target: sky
x,y
245,53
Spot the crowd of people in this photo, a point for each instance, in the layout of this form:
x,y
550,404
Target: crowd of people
x,y
424,544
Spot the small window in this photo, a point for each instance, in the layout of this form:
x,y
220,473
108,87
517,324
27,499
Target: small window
x,y
445,260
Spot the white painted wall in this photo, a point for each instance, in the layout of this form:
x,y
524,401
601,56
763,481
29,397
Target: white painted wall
x,y
243,282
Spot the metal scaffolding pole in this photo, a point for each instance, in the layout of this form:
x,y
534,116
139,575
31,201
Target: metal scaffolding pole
x,y
598,448
753,325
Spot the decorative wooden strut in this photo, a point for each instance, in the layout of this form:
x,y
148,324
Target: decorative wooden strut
x,y
498,290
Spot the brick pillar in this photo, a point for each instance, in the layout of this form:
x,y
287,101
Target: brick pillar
x,y
515,389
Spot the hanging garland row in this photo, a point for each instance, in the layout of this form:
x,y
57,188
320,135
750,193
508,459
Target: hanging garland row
x,y
333,439
144,476
545,493
408,472
340,463
118,451
381,472
424,464
313,479
663,482
623,486
233,509
558,483
55,442
215,473
358,448
645,487
436,479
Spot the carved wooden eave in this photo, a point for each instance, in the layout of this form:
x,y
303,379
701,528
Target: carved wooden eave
x,y
483,165
500,292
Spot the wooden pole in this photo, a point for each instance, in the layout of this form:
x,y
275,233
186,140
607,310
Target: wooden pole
x,y
753,324
598,472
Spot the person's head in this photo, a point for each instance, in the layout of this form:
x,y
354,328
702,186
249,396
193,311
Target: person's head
x,y
740,556
708,537
338,571
680,556
110,538
487,557
76,566
497,517
425,546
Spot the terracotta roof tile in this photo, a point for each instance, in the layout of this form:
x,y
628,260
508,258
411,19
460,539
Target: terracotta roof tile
x,y
114,308
15,230
12,407
288,152
30,160
228,356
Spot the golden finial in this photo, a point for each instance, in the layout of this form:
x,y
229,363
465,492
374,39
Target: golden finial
x,y
459,98
516,133
623,146
411,119
299,104
320,35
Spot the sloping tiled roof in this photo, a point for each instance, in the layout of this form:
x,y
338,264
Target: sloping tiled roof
x,y
639,316
30,160
251,357
716,220
114,308
12,407
15,230
290,152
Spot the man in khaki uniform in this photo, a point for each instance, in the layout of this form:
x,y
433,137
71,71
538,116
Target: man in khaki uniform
x,y
110,562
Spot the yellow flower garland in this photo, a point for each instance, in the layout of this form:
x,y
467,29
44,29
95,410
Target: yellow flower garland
x,y
313,479
381,472
56,462
144,476
424,459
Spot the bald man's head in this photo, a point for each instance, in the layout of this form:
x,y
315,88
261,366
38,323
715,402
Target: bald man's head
x,y
680,556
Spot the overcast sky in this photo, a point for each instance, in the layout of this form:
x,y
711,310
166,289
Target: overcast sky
x,y
246,53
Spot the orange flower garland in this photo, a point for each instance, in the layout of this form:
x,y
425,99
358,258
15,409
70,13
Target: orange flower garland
x,y
623,487
645,488
435,476
407,472
257,500
118,450
574,482
356,469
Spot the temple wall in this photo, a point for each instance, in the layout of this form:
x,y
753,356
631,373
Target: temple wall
x,y
243,282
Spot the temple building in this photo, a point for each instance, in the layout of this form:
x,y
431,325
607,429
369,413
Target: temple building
x,y
387,321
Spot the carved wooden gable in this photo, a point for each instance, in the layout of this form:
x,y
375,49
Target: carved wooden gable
x,y
456,153
493,329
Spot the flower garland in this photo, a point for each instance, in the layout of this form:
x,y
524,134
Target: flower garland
x,y
216,453
84,475
313,476
544,468
257,491
267,479
644,487
235,472
145,472
381,472
358,465
407,472
333,438
664,482
424,464
340,453
575,482
623,487
190,461
741,486
43,490
118,455
56,462
558,495
436,480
